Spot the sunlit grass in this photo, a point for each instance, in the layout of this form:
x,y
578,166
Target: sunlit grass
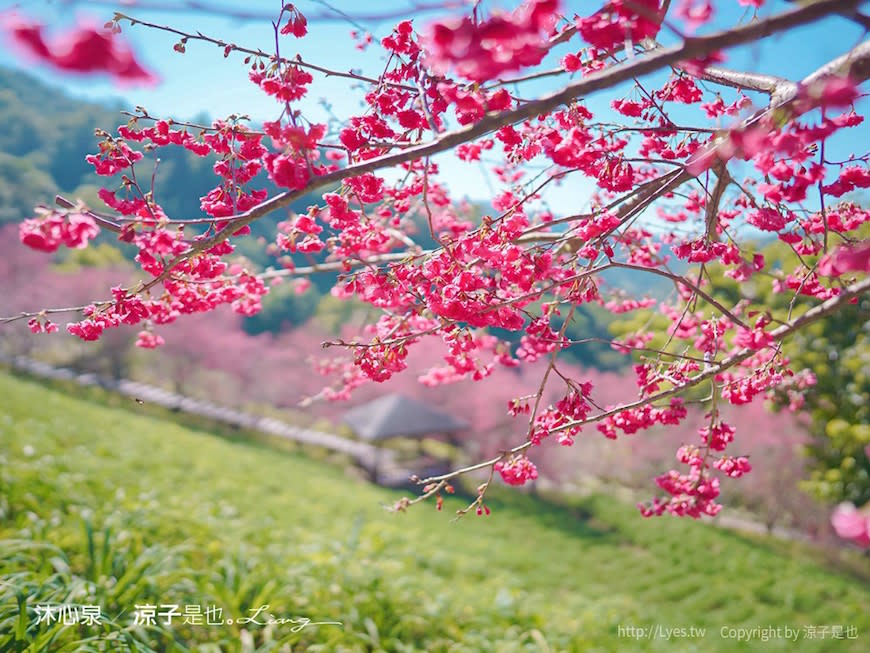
x,y
101,506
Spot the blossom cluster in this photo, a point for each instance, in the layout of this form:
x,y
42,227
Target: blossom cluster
x,y
852,524
84,49
694,493
484,50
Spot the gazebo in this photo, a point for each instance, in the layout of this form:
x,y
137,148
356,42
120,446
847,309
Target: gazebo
x,y
395,416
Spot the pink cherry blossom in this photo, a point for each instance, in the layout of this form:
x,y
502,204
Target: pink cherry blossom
x,y
852,524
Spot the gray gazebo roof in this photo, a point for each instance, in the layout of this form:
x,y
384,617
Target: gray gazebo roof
x,y
394,415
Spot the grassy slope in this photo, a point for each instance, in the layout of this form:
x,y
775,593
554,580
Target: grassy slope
x,y
181,516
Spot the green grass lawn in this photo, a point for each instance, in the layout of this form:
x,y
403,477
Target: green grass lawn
x,y
100,506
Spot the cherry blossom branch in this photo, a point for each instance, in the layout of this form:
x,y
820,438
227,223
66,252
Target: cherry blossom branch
x,y
49,311
211,8
551,364
331,266
855,64
619,345
141,113
337,266
812,315
232,47
589,271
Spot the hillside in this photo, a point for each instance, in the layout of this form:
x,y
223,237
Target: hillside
x,y
44,141
101,506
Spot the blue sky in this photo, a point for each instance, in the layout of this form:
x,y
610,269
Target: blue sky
x,y
203,81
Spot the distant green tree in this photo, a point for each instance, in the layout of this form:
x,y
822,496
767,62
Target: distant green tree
x,y
838,351
43,153
332,313
589,331
22,185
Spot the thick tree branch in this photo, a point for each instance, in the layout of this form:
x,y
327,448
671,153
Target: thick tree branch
x,y
849,14
739,79
855,65
711,213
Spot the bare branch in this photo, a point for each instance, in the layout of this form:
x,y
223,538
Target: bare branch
x,y
711,217
340,266
215,9
103,221
684,282
297,61
738,79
